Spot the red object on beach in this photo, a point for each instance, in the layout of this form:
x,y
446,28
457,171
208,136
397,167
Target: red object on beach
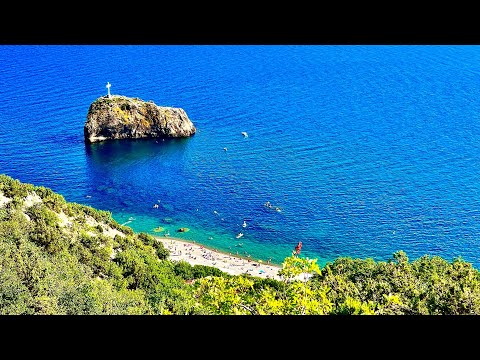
x,y
298,247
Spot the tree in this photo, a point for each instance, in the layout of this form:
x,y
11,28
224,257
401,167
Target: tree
x,y
238,295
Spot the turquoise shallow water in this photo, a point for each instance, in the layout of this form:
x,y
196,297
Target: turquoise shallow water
x,y
367,150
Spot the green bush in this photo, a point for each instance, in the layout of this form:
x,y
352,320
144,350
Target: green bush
x,y
13,188
200,271
162,252
184,270
146,238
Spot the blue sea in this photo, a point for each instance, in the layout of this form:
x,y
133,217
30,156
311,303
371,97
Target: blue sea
x,y
364,150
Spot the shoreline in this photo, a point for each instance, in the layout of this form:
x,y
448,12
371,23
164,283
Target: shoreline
x,y
198,254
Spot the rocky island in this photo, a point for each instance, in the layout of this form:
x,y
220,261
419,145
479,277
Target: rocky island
x,y
119,117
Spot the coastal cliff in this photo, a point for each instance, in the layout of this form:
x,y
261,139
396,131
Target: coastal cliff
x,y
121,117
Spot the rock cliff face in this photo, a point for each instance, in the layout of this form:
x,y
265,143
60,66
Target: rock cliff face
x,y
121,117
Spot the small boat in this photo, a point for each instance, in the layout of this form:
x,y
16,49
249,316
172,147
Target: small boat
x,y
244,133
239,235
244,224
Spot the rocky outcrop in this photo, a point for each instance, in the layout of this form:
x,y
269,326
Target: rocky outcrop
x,y
121,117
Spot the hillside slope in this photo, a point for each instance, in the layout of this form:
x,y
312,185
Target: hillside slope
x,y
66,258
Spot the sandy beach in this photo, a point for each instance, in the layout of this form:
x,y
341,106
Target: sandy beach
x,y
196,254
